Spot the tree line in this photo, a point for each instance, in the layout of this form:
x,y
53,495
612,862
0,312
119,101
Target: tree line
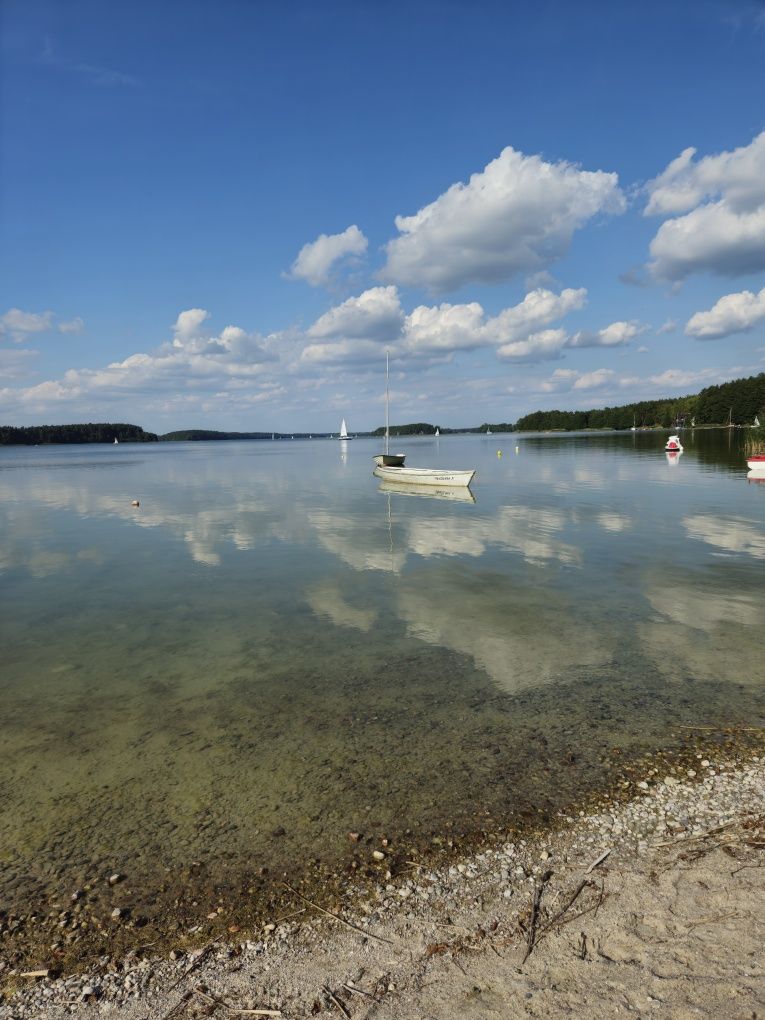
x,y
737,402
93,432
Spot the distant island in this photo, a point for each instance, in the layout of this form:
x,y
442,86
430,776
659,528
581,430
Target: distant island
x,y
738,402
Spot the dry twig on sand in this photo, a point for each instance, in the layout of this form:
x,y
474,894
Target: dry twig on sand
x,y
334,999
536,901
337,917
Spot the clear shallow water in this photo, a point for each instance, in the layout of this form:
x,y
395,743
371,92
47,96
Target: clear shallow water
x,y
271,651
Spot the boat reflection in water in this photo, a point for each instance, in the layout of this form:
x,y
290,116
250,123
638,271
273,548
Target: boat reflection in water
x,y
755,476
458,493
673,456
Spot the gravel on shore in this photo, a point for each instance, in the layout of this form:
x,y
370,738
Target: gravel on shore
x,y
652,905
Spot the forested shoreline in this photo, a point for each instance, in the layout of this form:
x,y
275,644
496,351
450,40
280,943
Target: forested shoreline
x,y
738,402
92,432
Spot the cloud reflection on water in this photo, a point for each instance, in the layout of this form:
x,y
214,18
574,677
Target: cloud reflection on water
x,y
733,534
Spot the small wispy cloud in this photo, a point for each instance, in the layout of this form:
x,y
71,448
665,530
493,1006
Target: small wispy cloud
x,y
95,74
18,324
75,325
107,77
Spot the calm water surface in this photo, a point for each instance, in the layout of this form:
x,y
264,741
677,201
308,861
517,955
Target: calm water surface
x,y
273,650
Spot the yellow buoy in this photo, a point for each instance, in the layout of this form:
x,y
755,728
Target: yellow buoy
x,y
499,453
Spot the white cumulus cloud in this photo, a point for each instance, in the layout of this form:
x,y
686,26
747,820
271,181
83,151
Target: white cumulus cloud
x,y
594,380
374,315
618,334
564,380
18,324
318,258
354,329
542,346
517,215
733,313
717,210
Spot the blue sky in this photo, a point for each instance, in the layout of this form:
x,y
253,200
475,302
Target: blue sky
x,y
222,215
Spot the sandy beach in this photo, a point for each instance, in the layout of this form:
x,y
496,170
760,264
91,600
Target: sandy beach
x,y
649,903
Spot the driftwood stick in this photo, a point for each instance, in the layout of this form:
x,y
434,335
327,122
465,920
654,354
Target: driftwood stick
x,y
585,882
337,917
717,729
359,991
175,1009
336,1001
196,962
598,861
746,867
288,916
587,910
683,838
214,1000
256,1012
200,991
601,897
711,920
536,900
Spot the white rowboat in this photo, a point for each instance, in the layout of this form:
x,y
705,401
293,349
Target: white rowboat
x,y
390,466
423,476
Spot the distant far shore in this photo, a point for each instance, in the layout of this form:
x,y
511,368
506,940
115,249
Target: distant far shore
x,y
78,435
739,403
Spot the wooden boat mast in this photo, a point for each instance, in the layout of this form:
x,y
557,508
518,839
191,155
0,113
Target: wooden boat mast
x,y
387,429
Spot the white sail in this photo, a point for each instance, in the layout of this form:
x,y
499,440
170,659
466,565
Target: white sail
x,y
343,430
756,422
437,433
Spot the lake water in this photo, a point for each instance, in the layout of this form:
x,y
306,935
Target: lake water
x,y
271,651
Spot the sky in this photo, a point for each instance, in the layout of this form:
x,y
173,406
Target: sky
x,y
223,215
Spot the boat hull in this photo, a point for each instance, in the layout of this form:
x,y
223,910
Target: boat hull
x,y
424,476
756,463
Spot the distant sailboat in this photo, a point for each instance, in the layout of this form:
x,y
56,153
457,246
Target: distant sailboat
x,y
756,424
730,418
437,433
488,431
116,440
344,431
273,436
634,426
693,423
